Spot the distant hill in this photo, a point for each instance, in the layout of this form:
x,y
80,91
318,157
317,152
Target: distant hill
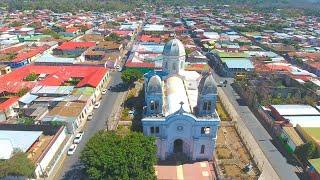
x,y
100,5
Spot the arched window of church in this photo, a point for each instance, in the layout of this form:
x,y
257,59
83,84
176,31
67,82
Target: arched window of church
x,y
166,65
202,149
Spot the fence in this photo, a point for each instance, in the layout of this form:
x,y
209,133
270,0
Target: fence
x,y
267,171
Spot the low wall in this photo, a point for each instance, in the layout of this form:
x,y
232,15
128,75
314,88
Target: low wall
x,y
267,171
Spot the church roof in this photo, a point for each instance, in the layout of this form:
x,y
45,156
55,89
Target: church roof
x,y
174,47
154,85
176,93
208,85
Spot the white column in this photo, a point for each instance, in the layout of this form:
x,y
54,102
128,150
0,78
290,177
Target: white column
x,y
163,149
194,149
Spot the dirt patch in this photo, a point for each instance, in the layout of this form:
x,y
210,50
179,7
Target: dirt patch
x,y
221,139
224,153
232,155
232,170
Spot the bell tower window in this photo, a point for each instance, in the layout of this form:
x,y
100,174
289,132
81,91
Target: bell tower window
x,y
154,105
207,106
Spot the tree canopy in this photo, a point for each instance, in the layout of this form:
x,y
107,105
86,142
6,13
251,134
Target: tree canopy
x,y
114,37
307,151
128,76
25,120
17,165
124,5
108,155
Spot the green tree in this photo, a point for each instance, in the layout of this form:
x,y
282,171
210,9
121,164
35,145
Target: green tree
x,y
17,165
23,91
113,37
31,77
83,28
128,76
108,155
15,24
307,151
25,121
188,51
51,33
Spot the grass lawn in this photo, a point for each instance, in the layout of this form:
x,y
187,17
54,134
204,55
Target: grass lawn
x,y
314,132
315,163
222,112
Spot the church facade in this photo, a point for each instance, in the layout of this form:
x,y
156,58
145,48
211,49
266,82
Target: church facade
x,y
180,107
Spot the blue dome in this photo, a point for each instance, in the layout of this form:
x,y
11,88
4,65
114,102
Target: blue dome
x,y
154,85
174,47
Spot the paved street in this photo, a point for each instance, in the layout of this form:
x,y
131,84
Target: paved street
x,y
71,169
285,169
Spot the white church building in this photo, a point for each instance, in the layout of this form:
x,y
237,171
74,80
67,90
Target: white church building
x,y
180,107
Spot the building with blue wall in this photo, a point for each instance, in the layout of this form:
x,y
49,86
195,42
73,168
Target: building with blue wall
x,y
180,108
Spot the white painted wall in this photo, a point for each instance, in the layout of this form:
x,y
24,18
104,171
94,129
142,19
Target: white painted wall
x,y
50,154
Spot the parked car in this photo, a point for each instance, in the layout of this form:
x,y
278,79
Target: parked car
x,y
78,138
223,83
72,149
104,91
90,117
118,67
96,105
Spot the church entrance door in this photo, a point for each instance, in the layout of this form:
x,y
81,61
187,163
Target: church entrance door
x,y
178,146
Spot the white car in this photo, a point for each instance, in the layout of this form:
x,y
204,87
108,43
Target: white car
x,y
96,105
72,149
90,117
104,91
118,67
78,138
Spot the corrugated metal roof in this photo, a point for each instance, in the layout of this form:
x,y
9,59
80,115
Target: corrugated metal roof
x,y
296,110
240,63
304,121
28,98
22,140
6,149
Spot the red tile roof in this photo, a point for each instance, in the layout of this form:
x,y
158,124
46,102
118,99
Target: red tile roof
x,y
13,49
140,64
56,75
30,53
6,104
4,28
148,38
72,30
122,32
73,45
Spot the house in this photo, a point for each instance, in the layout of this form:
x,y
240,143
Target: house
x,y
94,54
71,32
71,114
290,138
73,49
304,115
233,66
7,107
20,55
41,143
314,169
53,84
4,69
